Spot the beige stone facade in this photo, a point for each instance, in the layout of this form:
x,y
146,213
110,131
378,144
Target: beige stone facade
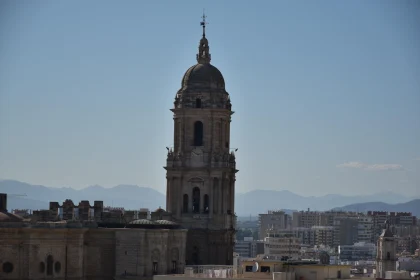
x,y
89,250
90,253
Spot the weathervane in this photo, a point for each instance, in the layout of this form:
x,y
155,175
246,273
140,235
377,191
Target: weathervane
x,y
203,23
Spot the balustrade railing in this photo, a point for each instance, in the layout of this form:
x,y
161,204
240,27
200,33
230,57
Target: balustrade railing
x,y
211,271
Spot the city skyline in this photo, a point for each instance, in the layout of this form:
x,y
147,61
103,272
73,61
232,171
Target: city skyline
x,y
324,103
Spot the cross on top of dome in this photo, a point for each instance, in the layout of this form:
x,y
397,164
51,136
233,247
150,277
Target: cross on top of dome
x,y
203,56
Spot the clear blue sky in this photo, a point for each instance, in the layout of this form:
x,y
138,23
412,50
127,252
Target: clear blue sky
x,y
326,94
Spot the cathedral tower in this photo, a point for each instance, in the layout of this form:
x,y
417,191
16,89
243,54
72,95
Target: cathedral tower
x,y
386,258
200,166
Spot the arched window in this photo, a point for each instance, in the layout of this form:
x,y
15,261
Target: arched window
x,y
198,103
206,203
388,255
196,200
50,262
185,204
195,255
198,133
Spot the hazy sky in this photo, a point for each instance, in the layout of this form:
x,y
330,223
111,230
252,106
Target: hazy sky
x,y
326,94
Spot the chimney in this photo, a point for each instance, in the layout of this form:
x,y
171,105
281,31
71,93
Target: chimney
x,y
3,202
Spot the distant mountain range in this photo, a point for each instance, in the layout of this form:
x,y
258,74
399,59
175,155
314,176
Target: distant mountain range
x,y
38,197
260,201
250,203
412,206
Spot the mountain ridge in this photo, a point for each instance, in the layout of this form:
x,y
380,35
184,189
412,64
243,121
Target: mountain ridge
x,y
412,206
136,197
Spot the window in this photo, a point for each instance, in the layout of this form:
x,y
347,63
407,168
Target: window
x,y
8,267
155,267
185,204
174,270
198,103
198,133
50,262
265,269
196,200
248,268
41,267
388,255
206,203
57,267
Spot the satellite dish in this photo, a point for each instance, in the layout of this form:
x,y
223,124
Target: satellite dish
x,y
255,267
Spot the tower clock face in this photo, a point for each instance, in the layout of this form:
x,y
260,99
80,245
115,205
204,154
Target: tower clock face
x,y
197,152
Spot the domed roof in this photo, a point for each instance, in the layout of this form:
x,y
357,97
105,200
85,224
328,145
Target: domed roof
x,y
160,210
203,75
6,217
166,222
142,222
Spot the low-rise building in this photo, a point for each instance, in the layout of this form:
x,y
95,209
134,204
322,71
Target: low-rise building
x,y
265,269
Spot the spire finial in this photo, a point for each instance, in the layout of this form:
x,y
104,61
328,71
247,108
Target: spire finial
x,y
203,23
203,55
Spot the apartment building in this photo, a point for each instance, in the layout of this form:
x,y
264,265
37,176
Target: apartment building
x,y
306,219
277,220
357,252
402,220
345,231
365,229
249,248
280,244
324,235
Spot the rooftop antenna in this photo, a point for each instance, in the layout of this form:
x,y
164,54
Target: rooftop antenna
x,y
203,23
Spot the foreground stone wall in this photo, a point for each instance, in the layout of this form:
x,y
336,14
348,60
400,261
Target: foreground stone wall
x,y
89,253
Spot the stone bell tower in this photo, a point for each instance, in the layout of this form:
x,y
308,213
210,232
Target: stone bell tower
x,y
201,166
386,257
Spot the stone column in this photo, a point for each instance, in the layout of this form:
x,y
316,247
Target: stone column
x,y
227,196
215,195
220,196
179,201
224,194
168,195
210,187
232,197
